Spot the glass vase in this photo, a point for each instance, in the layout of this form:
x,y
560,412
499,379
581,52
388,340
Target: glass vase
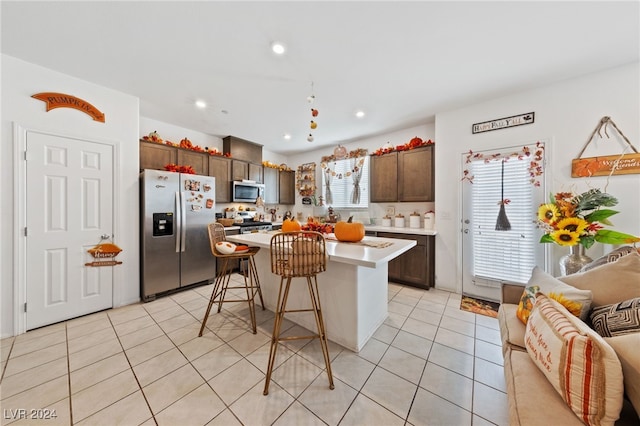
x,y
574,261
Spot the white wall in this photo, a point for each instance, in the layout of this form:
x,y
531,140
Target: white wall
x,y
20,80
376,211
565,115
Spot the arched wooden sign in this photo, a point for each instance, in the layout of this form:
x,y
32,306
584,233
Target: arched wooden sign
x,y
61,100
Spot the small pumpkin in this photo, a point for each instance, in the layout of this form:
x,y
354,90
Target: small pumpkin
x,y
291,225
349,231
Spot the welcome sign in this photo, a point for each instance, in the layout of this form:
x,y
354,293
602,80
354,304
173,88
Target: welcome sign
x,y
503,123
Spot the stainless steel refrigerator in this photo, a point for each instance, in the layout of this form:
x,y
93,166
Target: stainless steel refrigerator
x,y
175,209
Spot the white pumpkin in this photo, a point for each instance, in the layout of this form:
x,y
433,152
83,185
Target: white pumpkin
x,y
225,247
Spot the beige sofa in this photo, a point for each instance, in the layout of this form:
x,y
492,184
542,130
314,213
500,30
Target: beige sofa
x,y
532,398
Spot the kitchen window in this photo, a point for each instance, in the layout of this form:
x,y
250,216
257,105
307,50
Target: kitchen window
x,y
345,183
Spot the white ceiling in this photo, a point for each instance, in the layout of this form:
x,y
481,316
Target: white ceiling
x,y
401,62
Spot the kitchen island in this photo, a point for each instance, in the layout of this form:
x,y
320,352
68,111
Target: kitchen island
x,y
353,289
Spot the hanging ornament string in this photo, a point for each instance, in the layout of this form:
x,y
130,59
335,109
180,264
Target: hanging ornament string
x,y
314,113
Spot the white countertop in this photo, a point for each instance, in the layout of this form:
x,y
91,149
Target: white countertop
x,y
405,230
351,253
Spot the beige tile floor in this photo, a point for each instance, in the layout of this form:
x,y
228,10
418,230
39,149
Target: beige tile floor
x,y
143,364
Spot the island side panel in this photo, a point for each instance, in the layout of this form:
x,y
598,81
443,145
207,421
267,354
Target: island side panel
x,y
372,297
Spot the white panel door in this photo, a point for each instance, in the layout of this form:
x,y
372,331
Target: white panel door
x,y
69,207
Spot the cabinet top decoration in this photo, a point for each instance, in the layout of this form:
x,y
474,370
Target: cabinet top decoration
x,y
415,142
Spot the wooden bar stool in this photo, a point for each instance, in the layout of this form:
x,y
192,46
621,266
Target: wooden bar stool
x,y
298,254
223,276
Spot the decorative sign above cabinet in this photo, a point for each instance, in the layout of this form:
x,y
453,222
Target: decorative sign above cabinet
x,y
61,100
503,123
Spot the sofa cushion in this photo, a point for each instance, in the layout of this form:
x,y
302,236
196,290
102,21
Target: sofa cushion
x,y
627,349
511,328
617,319
549,284
532,399
612,256
578,363
610,283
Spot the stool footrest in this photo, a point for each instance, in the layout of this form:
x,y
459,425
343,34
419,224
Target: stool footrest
x,y
311,336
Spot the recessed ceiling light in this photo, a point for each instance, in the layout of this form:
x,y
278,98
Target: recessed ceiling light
x,y
287,136
201,104
359,113
278,48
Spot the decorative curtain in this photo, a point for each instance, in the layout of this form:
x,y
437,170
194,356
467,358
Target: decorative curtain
x,y
356,175
328,179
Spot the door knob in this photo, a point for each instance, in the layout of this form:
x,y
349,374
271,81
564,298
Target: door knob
x,y
467,221
105,236
466,231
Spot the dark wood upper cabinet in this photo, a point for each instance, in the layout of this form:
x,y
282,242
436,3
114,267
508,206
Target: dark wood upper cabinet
x,y
287,187
244,170
155,156
255,172
199,161
242,149
384,178
415,174
220,168
403,176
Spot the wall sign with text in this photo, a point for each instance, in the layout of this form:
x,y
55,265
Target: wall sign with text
x,y
62,100
503,123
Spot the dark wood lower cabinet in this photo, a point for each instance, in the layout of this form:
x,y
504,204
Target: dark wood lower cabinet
x,y
415,267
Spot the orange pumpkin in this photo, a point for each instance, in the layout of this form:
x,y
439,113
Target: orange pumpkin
x,y
291,225
349,231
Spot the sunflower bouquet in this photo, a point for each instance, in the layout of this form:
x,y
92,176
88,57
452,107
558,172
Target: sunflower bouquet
x,y
570,219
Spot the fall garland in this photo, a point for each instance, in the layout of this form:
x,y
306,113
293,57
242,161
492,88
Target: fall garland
x,y
535,166
415,142
357,153
184,144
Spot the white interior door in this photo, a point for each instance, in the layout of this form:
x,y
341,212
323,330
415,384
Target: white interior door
x,y
69,199
490,256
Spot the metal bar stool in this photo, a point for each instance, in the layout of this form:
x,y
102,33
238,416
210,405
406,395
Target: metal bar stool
x,y
298,254
223,276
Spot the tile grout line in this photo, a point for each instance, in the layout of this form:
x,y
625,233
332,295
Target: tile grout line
x,y
135,376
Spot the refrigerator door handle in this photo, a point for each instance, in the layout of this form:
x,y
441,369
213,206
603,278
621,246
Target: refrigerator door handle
x,y
178,222
183,225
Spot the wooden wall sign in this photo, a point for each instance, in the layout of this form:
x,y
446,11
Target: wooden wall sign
x,y
61,100
620,164
503,123
627,164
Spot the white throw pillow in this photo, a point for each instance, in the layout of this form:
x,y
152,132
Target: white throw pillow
x,y
548,284
225,247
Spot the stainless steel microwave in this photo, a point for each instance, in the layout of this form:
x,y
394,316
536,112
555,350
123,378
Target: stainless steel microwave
x,y
247,192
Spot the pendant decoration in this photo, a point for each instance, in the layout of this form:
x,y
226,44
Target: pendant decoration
x,y
314,113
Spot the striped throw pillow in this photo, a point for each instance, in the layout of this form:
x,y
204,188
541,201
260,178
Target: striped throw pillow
x,y
580,365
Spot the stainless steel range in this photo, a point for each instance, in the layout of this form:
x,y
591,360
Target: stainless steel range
x,y
250,225
253,226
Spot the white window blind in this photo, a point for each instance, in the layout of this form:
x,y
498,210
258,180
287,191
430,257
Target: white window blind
x,y
503,255
340,177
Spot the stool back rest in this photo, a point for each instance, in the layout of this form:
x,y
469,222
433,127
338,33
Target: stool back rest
x,y
298,254
216,234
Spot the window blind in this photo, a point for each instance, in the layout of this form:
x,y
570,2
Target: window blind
x,y
340,176
503,255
